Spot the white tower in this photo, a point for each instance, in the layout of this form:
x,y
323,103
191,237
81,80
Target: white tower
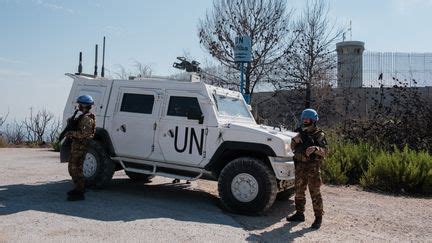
x,y
350,64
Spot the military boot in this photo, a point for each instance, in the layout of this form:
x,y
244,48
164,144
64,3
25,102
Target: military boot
x,y
76,196
72,192
317,223
297,217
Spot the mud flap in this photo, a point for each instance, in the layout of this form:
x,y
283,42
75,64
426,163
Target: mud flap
x,y
65,150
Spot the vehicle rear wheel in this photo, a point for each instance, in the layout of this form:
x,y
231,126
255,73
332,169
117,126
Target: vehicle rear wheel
x,y
98,168
138,177
247,186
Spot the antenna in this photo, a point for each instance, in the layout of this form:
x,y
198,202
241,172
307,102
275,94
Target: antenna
x,y
103,58
80,63
96,57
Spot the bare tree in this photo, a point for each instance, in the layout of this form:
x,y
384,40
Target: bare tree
x,y
267,22
122,73
15,132
3,119
36,125
141,70
311,61
55,130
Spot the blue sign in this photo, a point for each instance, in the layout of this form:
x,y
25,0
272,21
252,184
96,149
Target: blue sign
x,y
243,49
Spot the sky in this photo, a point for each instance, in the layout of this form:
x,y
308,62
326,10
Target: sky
x,y
40,39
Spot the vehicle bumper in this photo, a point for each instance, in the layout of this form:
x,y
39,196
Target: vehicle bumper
x,y
283,167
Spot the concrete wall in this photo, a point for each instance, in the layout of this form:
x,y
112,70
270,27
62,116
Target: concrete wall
x,y
333,105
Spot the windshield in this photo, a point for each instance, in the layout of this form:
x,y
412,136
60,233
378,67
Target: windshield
x,y
231,106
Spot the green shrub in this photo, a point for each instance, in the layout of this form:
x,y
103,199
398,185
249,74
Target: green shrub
x,y
56,145
332,172
405,171
32,144
346,162
3,144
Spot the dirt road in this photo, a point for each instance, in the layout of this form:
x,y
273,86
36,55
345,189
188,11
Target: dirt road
x,y
33,208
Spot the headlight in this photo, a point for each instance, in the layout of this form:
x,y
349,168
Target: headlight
x,y
287,148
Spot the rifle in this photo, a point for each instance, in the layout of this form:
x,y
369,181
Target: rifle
x,y
71,124
307,141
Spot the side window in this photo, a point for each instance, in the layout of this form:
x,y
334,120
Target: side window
x,y
182,106
137,103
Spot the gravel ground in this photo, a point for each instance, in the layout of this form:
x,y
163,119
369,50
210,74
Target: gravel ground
x,y
33,209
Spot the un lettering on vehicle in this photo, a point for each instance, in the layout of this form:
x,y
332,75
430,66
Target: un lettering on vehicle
x,y
190,141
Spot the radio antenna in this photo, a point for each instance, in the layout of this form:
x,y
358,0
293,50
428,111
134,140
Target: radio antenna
x,y
103,59
80,63
96,57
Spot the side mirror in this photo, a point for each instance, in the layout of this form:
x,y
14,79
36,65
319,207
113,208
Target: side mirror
x,y
249,108
196,115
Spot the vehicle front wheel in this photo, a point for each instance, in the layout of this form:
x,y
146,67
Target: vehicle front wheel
x,y
247,186
98,168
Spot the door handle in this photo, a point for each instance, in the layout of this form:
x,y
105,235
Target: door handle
x,y
123,128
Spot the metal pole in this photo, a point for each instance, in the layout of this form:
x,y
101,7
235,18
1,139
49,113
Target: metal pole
x,y
241,79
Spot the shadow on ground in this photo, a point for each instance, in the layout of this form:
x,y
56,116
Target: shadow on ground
x,y
282,234
124,200
278,213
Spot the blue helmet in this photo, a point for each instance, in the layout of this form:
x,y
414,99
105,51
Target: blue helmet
x,y
85,100
311,114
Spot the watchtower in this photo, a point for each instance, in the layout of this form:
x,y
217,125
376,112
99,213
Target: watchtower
x,y
350,64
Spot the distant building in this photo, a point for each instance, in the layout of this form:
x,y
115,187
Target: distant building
x,y
350,64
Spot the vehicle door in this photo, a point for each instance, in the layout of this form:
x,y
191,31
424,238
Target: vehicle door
x,y
134,122
182,128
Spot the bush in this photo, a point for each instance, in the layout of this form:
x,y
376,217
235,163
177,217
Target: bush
x,y
56,145
405,171
332,172
3,144
346,162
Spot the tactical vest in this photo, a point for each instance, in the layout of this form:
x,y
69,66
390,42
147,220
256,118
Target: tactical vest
x,y
307,141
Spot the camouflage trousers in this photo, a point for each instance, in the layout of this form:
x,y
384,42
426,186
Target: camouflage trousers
x,y
75,166
307,174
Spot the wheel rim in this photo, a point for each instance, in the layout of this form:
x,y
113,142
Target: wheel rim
x,y
244,187
90,165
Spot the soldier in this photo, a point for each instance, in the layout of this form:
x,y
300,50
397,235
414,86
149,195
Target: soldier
x,y
309,146
82,132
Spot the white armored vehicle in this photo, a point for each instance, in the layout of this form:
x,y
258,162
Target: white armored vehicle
x,y
186,130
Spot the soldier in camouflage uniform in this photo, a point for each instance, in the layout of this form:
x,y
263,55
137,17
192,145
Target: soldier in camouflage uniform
x,y
80,136
309,146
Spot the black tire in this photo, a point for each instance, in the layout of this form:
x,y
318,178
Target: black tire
x,y
286,194
105,167
265,178
138,177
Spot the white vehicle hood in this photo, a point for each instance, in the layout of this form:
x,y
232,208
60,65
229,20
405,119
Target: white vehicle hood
x,y
278,139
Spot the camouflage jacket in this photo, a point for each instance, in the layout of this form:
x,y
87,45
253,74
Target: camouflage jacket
x,y
319,142
86,128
